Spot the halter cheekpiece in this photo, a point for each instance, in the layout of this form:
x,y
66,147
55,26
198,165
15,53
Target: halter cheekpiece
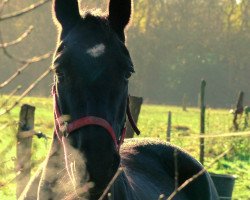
x,y
63,128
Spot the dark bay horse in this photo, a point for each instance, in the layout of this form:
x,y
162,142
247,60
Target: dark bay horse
x,y
92,66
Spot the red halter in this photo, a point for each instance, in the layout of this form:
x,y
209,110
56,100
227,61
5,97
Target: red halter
x,y
62,127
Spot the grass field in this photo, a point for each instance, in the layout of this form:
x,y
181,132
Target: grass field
x,y
152,123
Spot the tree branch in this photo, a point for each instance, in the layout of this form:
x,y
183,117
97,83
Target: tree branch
x,y
13,92
18,40
12,77
119,171
24,11
23,61
27,91
3,5
188,181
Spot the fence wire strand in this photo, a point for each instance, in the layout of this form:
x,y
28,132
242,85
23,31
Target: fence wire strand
x,y
234,134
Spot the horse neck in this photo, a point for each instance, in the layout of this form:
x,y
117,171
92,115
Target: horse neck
x,y
122,188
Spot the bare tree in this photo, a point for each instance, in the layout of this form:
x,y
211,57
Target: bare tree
x,y
23,63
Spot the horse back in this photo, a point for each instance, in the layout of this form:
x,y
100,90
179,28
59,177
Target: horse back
x,y
153,168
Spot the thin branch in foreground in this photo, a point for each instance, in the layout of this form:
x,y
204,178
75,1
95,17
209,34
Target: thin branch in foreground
x,y
13,159
18,40
39,58
30,60
10,96
10,124
23,61
24,11
10,181
4,126
12,77
27,91
188,181
119,171
2,6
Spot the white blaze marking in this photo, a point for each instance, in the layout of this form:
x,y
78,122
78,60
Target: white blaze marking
x,y
96,50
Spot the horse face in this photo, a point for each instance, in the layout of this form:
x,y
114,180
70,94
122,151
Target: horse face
x,y
92,67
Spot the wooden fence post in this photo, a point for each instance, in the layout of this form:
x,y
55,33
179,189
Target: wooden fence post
x,y
246,111
169,126
23,163
184,102
135,108
238,110
202,120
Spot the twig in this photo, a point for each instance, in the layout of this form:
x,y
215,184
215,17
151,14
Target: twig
x,y
119,171
7,148
2,6
12,180
6,161
80,191
10,95
18,40
24,11
4,126
12,77
24,66
27,91
39,58
29,60
10,124
188,181
23,61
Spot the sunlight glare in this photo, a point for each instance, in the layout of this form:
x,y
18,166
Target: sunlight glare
x,y
238,1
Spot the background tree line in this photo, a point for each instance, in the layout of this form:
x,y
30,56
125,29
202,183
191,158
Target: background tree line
x,y
173,43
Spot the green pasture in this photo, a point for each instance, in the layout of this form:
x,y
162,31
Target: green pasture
x,y
152,123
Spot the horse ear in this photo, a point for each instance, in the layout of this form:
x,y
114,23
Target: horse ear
x,y
119,15
66,12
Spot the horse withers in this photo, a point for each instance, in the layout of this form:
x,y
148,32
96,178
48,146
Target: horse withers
x,y
92,66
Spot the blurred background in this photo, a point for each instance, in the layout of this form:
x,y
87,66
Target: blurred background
x,y
173,43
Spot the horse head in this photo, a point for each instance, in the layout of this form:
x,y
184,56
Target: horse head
x,y
92,66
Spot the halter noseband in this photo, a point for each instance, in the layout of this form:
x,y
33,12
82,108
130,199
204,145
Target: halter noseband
x,y
63,128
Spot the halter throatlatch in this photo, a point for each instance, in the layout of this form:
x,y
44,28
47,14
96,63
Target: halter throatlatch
x,y
63,128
